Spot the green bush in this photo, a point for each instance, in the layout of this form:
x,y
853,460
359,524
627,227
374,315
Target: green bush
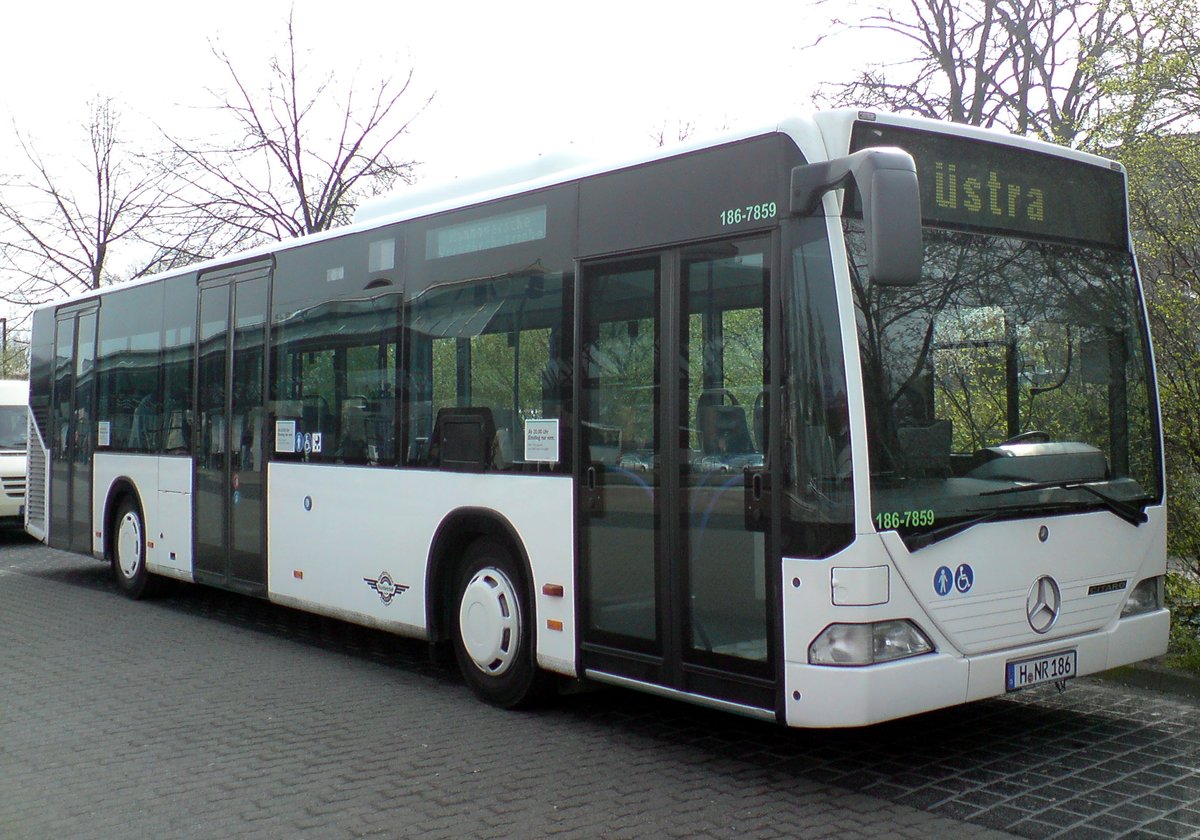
x,y
1183,597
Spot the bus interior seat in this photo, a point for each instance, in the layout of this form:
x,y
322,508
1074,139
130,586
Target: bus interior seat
x,y
420,419
177,436
463,439
723,429
505,445
315,413
761,407
353,445
926,449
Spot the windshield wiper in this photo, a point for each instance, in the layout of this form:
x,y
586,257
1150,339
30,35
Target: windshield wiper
x,y
915,542
1131,513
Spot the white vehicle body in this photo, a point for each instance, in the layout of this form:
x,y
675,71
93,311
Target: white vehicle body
x,y
973,582
14,426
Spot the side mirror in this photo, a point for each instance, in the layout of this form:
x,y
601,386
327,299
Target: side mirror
x,y
886,178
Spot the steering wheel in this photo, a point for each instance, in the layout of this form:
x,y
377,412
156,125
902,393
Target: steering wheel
x,y
1032,436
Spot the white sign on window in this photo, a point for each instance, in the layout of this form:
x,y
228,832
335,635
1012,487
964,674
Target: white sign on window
x,y
285,436
541,441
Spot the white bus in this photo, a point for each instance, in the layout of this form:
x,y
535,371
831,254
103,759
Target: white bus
x,y
842,420
14,428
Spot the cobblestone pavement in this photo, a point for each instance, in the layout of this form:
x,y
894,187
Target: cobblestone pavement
x,y
206,714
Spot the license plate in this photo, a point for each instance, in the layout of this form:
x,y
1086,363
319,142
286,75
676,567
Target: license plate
x,y
1023,673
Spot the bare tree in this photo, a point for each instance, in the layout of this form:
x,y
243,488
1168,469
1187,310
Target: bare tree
x,y
307,152
59,224
1050,68
661,136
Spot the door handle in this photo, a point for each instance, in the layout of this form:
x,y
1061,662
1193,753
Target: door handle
x,y
593,493
756,498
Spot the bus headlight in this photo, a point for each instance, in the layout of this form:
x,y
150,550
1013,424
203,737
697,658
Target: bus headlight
x,y
1145,597
868,644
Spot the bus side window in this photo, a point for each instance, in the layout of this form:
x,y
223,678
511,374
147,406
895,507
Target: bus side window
x,y
486,345
333,375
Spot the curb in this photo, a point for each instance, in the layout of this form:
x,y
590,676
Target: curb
x,y
1156,677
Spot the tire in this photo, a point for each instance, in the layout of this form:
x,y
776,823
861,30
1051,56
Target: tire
x,y
493,629
129,551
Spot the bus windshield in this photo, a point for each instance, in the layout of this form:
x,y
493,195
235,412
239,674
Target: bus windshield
x,y
13,426
1013,380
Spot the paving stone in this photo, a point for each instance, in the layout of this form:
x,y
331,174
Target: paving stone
x,y
206,714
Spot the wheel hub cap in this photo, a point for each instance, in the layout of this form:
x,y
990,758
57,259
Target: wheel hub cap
x,y
129,545
490,621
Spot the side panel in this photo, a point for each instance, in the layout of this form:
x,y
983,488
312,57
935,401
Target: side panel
x,y
333,533
37,483
142,471
163,484
41,383
172,551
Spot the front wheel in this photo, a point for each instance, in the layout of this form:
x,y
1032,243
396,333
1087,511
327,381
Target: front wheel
x,y
493,630
129,551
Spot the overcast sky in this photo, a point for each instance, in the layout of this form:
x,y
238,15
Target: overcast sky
x,y
511,79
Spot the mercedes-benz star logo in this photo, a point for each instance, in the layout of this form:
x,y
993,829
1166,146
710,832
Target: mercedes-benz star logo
x,y
1043,603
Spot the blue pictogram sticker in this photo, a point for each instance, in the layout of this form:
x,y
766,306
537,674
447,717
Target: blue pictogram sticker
x,y
964,578
943,582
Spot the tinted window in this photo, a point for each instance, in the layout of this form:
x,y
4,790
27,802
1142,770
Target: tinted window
x,y
178,362
333,381
129,409
491,343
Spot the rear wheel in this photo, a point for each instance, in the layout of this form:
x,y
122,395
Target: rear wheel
x,y
493,630
129,551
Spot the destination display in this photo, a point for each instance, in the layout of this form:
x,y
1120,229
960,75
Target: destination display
x,y
487,233
988,186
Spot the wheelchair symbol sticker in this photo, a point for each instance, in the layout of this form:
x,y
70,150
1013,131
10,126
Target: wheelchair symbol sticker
x,y
964,578
942,581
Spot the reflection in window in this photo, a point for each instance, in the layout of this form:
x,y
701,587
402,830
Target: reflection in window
x,y
495,345
1004,342
818,500
333,381
127,371
14,426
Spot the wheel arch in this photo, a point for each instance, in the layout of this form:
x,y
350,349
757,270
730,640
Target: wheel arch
x,y
122,487
454,534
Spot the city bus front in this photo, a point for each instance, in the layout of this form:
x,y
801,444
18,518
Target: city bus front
x,y
1006,480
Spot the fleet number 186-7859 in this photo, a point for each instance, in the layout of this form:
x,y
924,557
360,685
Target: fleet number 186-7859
x,y
749,213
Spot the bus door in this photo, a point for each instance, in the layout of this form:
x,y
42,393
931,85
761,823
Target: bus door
x,y
676,570
228,434
73,429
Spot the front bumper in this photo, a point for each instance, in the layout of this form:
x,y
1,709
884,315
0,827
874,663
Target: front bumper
x,y
823,696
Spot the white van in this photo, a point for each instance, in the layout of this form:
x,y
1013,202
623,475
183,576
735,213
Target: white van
x,y
14,430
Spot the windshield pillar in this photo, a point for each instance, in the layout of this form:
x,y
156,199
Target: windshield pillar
x,y
816,473
1012,387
